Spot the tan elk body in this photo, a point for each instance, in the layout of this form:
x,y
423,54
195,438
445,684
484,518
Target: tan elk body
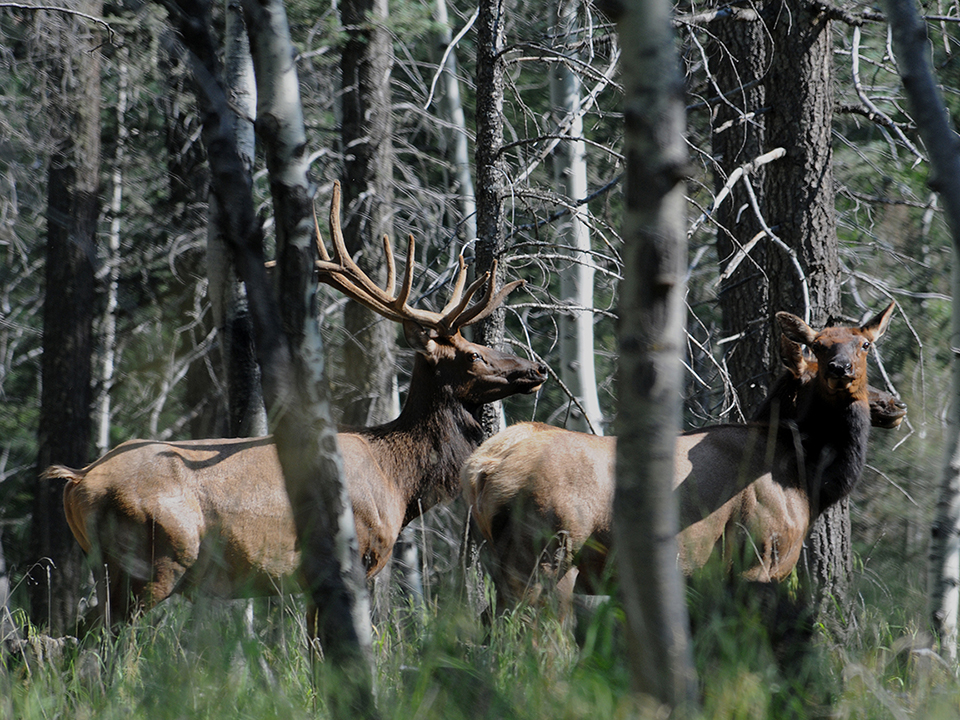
x,y
542,496
213,516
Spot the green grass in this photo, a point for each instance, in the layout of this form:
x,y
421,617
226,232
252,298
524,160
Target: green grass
x,y
200,661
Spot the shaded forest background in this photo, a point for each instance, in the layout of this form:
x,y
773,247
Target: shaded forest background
x,y
168,382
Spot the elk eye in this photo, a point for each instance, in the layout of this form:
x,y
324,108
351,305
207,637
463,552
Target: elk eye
x,y
475,357
866,345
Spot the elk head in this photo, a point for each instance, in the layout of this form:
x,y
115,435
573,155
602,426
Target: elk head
x,y
474,374
841,352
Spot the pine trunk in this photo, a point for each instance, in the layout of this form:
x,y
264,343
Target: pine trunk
x,y
491,171
65,427
367,133
800,196
738,137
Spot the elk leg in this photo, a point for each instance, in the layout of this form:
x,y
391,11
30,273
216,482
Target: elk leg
x,y
565,586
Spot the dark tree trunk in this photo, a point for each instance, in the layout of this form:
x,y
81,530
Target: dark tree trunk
x,y
65,427
491,171
368,356
189,180
800,202
246,416
738,137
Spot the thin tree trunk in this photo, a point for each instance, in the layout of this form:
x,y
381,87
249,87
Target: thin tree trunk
x,y
650,334
295,382
112,267
8,630
913,58
491,171
289,346
65,427
577,368
452,108
244,397
367,132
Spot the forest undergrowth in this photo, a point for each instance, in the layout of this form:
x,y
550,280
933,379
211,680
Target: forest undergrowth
x,y
240,660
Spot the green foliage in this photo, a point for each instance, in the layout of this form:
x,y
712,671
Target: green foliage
x,y
200,661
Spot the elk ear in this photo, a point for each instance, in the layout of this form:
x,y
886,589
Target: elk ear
x,y
795,328
420,339
791,355
875,328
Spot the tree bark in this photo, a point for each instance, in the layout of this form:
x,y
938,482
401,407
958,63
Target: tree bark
x,y
112,275
452,108
491,171
8,630
295,381
741,57
912,50
367,133
800,195
246,416
650,334
289,346
577,368
65,427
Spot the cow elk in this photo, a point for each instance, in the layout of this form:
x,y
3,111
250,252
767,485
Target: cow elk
x,y
212,516
542,496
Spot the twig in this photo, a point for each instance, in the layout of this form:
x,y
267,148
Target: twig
x,y
442,66
564,126
65,11
887,121
738,173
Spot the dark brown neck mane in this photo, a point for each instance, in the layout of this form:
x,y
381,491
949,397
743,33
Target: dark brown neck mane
x,y
424,448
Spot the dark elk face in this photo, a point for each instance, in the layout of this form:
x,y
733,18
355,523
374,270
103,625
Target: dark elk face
x,y
475,373
841,352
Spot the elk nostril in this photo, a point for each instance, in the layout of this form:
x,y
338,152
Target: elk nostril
x,y
837,369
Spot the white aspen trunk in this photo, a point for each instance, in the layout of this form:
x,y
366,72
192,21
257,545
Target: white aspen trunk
x,y
300,412
912,51
577,369
109,330
944,565
452,108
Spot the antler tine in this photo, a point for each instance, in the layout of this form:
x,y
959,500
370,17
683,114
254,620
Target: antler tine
x,y
391,269
452,317
461,316
340,254
482,310
343,273
400,303
321,250
454,300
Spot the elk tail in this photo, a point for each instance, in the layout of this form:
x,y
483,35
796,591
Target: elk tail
x,y
72,504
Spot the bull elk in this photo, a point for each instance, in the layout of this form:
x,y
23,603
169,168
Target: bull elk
x,y
212,516
542,496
